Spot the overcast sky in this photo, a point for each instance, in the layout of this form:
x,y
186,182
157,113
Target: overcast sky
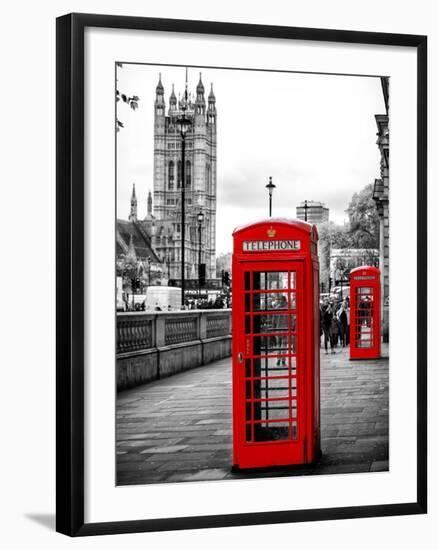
x,y
314,134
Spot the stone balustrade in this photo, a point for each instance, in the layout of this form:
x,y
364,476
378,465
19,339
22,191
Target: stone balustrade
x,y
151,346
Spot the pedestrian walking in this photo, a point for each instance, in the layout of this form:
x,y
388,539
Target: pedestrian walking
x,y
326,321
334,330
347,314
342,324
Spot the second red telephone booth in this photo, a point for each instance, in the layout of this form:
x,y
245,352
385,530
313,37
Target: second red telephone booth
x,y
276,403
365,313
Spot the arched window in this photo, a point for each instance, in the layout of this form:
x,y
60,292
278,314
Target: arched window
x,y
179,175
171,175
188,173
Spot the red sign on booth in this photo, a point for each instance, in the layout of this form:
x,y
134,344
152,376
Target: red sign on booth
x,y
365,313
275,344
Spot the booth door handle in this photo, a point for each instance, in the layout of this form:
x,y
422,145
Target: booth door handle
x,y
240,357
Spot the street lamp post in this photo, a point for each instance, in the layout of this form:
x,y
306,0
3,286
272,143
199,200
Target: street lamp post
x,y
167,259
330,243
200,218
270,187
149,271
306,207
183,126
129,273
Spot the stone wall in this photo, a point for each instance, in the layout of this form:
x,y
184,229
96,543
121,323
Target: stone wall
x,y
381,196
151,346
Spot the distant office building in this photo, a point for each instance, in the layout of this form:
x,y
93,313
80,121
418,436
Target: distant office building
x,y
313,212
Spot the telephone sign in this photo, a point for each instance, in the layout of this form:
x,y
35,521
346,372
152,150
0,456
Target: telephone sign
x,y
258,246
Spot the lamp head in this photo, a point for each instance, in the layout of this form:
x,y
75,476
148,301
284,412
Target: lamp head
x,y
183,124
270,186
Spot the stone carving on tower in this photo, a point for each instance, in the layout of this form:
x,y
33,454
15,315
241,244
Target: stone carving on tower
x,y
200,181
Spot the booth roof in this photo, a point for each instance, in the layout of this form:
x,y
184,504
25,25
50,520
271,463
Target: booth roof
x,y
366,267
304,226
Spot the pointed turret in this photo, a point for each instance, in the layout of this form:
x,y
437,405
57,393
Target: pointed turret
x,y
200,86
133,213
211,96
172,101
160,104
200,100
211,114
149,204
159,90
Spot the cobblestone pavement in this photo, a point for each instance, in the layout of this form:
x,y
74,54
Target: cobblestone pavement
x,y
179,428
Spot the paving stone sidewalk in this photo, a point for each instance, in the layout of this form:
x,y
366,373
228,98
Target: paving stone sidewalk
x,y
179,428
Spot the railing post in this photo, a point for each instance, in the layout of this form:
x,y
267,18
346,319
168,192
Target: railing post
x,y
202,332
160,330
160,339
202,323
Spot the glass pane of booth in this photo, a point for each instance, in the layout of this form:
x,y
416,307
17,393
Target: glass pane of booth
x,y
271,323
364,329
266,324
270,345
271,280
267,301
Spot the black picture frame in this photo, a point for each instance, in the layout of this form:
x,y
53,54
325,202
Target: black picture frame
x,y
70,273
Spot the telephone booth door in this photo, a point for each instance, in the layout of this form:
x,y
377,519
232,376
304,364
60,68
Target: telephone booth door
x,y
271,364
365,313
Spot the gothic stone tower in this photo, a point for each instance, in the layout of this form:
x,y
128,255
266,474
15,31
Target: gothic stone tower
x,y
200,184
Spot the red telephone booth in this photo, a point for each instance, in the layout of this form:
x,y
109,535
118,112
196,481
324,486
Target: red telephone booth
x,y
365,313
276,410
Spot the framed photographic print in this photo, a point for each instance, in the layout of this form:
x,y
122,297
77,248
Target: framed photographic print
x,y
241,274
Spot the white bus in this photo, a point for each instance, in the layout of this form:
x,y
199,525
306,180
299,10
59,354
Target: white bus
x,y
163,298
120,297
